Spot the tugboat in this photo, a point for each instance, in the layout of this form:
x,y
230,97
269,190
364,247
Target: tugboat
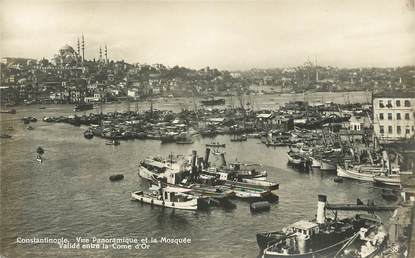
x,y
168,197
324,237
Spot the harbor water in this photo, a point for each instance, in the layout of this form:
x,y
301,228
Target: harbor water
x,y
69,195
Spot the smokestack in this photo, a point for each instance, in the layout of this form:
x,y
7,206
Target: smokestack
x,y
321,209
207,157
222,156
199,165
194,153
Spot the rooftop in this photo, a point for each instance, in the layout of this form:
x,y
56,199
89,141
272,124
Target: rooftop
x,y
394,94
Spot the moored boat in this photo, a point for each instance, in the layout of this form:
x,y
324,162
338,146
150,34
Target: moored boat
x,y
168,197
320,238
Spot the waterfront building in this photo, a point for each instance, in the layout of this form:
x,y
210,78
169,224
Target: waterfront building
x,y
394,116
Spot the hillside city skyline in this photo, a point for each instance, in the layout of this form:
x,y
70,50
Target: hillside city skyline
x,y
226,35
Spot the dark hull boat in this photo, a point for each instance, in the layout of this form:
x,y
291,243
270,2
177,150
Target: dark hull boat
x,y
83,107
213,102
323,237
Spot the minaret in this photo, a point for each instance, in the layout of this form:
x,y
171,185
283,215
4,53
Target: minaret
x,y
106,54
83,48
100,54
78,47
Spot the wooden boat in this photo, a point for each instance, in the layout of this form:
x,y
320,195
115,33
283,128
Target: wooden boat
x,y
239,138
30,128
216,145
5,135
40,150
389,194
113,142
88,134
39,158
327,165
390,179
168,197
361,172
295,158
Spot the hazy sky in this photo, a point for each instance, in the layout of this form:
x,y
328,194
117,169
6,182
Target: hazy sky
x,y
222,34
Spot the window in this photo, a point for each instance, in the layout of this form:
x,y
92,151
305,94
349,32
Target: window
x,y
406,116
398,103
398,129
381,104
407,130
389,116
398,116
389,104
390,129
407,103
381,116
381,129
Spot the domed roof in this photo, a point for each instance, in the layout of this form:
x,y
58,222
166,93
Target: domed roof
x,y
67,48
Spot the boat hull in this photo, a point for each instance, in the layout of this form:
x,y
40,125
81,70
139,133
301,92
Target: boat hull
x,y
327,165
385,180
188,205
325,252
353,174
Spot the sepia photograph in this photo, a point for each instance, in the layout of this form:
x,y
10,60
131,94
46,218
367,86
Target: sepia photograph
x,y
211,129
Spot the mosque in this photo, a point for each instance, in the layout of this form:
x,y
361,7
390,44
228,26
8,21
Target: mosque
x,y
68,56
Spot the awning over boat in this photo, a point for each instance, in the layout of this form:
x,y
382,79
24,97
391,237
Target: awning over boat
x,y
172,189
304,225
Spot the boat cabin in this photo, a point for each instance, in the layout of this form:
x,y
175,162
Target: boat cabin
x,y
154,166
306,228
175,194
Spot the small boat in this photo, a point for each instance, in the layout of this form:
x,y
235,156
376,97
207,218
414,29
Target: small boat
x,y
216,145
389,194
239,138
42,107
11,111
185,141
83,107
327,165
39,158
30,128
5,135
168,197
40,150
388,179
361,172
113,142
88,134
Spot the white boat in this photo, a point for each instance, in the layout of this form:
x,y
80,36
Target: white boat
x,y
361,172
315,163
150,169
393,180
168,197
326,164
294,159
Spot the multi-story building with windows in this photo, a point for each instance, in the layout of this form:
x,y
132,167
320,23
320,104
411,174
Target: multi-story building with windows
x,y
394,116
